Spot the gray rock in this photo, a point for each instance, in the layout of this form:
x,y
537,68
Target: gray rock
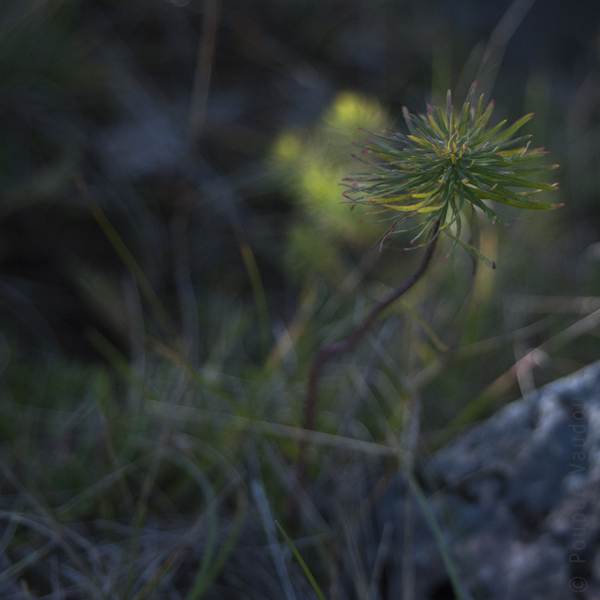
x,y
517,498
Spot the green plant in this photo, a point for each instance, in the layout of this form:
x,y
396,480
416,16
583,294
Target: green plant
x,y
447,164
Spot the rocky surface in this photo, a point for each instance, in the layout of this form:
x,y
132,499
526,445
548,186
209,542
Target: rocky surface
x,y
518,499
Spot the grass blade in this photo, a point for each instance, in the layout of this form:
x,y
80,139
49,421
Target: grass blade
x,y
305,568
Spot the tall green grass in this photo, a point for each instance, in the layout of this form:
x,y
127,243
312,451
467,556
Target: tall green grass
x,y
159,473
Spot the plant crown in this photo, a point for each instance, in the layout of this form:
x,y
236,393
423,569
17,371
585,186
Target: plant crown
x,y
446,164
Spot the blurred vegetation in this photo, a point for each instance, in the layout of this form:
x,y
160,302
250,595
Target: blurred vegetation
x,y
151,409
312,165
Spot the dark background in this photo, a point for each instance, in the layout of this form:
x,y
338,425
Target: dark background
x,y
173,252
102,92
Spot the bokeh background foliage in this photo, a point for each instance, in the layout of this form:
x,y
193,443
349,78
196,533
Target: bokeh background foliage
x,y
151,408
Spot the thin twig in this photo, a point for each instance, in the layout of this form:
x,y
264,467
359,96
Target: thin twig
x,y
335,348
499,39
204,63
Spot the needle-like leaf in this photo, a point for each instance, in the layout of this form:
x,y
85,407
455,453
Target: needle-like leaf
x,y
447,163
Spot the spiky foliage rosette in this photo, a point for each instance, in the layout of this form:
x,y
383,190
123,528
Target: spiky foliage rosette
x,y
446,164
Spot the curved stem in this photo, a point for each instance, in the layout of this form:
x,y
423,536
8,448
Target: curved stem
x,y
335,348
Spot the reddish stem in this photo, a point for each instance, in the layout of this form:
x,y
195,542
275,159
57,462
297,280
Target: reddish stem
x,y
335,348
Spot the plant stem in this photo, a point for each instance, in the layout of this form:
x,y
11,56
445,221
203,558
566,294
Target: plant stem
x,y
335,348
